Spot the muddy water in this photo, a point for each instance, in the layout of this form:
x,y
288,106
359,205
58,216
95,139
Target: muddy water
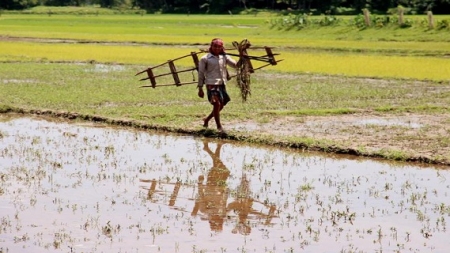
x,y
68,187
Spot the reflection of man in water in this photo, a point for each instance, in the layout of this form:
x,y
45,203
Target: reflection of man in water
x,y
212,196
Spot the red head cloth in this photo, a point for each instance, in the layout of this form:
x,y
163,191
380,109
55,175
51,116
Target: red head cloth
x,y
217,43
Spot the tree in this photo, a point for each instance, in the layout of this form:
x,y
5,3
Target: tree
x,y
223,6
382,6
17,4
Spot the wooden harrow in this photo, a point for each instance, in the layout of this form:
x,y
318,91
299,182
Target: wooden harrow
x,y
269,58
173,71
179,196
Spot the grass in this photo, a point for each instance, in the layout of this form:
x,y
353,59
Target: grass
x,y
114,92
199,29
363,65
90,70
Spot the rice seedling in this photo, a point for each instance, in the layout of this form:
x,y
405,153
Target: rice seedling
x,y
409,67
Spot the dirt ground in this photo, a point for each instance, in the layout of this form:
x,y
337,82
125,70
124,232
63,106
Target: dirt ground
x,y
422,138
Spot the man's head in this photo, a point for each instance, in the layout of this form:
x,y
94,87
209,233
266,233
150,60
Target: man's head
x,y
216,47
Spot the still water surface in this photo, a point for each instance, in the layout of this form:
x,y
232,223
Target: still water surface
x,y
81,187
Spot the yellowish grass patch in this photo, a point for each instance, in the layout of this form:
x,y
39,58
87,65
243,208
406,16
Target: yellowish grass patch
x,y
347,64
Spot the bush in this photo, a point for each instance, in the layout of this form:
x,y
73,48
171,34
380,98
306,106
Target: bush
x,y
303,20
443,24
359,21
345,11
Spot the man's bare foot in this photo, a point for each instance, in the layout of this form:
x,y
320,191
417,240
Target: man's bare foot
x,y
220,130
205,123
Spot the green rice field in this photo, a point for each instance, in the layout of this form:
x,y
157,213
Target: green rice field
x,y
86,64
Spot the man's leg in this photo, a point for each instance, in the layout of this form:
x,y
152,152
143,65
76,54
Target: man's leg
x,y
207,119
211,99
216,114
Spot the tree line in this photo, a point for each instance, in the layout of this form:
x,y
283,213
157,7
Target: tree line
x,y
332,7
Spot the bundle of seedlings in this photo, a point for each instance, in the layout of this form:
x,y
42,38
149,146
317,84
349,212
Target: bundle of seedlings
x,y
244,68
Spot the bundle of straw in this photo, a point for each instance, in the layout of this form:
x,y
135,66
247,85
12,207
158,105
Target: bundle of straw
x,y
244,68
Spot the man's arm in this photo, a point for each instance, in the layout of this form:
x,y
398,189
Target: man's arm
x,y
201,76
231,62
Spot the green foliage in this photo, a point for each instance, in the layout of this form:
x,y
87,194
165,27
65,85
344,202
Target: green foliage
x,y
443,24
393,154
345,11
70,10
5,108
394,11
303,20
392,21
359,22
329,20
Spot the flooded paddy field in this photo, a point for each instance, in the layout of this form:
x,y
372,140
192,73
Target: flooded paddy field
x,y
82,187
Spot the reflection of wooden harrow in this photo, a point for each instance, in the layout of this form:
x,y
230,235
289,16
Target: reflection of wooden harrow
x,y
152,190
269,58
173,189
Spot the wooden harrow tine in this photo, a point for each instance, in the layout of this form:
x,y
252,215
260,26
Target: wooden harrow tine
x,y
268,57
271,56
168,84
263,66
263,58
173,71
166,74
181,57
